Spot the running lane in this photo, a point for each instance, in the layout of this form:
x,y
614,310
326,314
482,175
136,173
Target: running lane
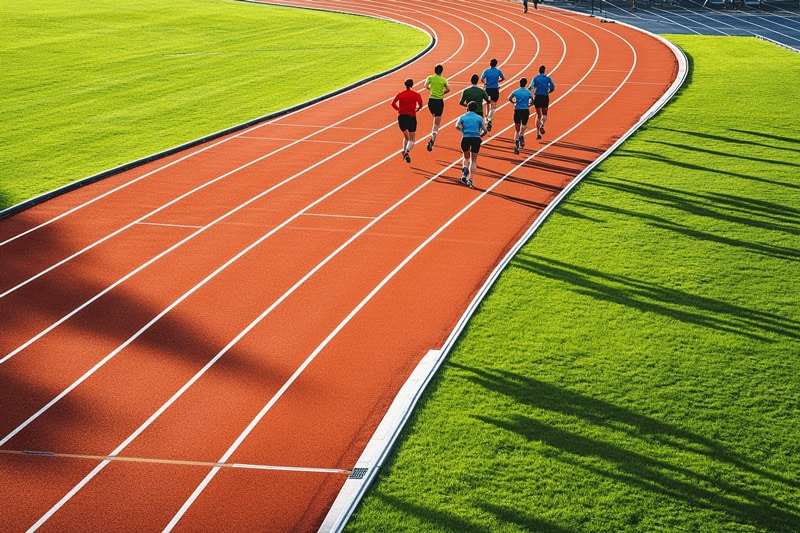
x,y
209,341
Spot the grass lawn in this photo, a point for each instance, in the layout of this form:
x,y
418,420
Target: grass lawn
x,y
88,86
636,367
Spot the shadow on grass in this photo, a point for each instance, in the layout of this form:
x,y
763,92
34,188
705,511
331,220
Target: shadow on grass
x,y
649,297
648,155
768,139
742,499
443,521
768,216
727,153
773,138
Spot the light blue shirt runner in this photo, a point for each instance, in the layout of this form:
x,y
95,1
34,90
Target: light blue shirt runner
x,y
522,98
471,124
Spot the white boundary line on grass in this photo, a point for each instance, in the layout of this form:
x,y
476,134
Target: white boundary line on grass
x,y
388,431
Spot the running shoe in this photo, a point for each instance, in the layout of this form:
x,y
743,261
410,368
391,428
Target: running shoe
x,y
538,136
407,157
516,147
541,130
469,183
465,173
522,140
430,145
489,125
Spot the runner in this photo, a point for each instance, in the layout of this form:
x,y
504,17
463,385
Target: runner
x,y
472,128
543,86
491,79
407,103
438,87
522,99
476,94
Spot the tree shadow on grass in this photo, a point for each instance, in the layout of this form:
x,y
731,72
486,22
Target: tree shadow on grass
x,y
442,520
742,500
768,143
731,208
438,520
772,138
666,224
716,207
649,297
647,155
725,154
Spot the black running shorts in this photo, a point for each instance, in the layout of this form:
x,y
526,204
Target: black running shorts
x,y
436,106
521,116
407,123
494,94
471,144
541,101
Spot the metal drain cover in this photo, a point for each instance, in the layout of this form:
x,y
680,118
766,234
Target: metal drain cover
x,y
358,473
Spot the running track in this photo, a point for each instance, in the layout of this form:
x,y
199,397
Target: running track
x,y
210,340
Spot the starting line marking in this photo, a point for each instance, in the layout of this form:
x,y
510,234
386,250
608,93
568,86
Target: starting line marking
x,y
207,464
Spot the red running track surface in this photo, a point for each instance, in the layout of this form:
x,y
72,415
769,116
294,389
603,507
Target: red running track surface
x,y
210,340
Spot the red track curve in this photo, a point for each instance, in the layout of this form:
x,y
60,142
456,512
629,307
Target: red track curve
x,y
209,341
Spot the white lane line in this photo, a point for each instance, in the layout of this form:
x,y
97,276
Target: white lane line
x,y
169,225
384,437
309,141
197,376
328,215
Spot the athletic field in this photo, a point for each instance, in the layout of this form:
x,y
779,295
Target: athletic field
x,y
634,369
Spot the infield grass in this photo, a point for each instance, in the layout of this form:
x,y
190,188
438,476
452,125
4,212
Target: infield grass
x,y
637,366
88,86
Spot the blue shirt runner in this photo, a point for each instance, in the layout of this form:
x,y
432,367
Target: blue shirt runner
x,y
491,77
543,84
471,124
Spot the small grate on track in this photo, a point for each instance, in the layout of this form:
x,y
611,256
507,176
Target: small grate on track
x,y
358,473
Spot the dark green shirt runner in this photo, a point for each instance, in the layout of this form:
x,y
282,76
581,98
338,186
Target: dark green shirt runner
x,y
474,94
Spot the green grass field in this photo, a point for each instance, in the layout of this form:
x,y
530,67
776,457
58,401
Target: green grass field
x,y
636,366
92,85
